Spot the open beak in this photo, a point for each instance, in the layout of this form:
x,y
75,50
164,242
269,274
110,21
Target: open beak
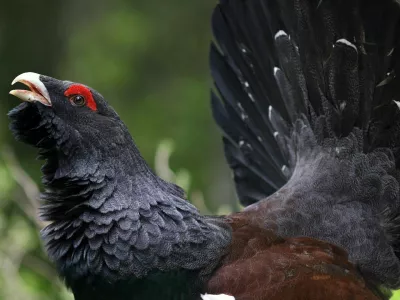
x,y
38,91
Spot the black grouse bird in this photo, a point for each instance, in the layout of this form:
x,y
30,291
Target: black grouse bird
x,y
306,93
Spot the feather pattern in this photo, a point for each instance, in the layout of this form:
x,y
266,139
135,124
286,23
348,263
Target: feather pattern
x,y
305,96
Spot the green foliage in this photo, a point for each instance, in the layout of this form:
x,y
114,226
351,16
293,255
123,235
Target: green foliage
x,y
396,296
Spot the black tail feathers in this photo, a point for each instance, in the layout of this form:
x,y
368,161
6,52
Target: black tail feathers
x,y
333,65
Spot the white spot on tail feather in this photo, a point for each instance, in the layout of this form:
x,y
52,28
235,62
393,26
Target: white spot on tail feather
x,y
280,33
276,133
242,112
217,297
347,43
397,103
270,112
246,84
276,69
251,97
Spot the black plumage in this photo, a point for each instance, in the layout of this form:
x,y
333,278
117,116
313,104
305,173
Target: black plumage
x,y
306,94
307,102
111,217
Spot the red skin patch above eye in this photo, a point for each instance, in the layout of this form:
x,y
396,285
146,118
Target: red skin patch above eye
x,y
79,89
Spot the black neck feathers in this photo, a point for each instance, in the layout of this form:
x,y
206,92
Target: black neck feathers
x,y
112,219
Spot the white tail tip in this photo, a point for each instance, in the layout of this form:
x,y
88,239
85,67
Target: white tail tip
x,y
217,297
397,103
280,33
347,43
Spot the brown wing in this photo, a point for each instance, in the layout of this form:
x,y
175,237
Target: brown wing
x,y
261,266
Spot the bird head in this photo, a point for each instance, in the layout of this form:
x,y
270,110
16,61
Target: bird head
x,y
66,115
81,137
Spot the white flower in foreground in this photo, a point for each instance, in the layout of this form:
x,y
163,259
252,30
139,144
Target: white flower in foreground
x,y
217,297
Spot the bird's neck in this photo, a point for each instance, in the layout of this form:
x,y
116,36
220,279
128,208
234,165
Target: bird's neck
x,y
105,181
122,221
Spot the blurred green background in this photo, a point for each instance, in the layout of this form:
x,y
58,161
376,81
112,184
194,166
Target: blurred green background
x,y
149,58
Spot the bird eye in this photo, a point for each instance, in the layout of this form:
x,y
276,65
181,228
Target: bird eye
x,y
77,100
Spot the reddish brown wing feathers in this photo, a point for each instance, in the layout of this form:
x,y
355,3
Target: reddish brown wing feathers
x,y
261,266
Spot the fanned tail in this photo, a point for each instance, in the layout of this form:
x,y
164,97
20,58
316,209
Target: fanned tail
x,y
307,94
334,62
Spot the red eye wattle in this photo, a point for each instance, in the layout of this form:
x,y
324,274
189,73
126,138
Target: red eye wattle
x,y
76,90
